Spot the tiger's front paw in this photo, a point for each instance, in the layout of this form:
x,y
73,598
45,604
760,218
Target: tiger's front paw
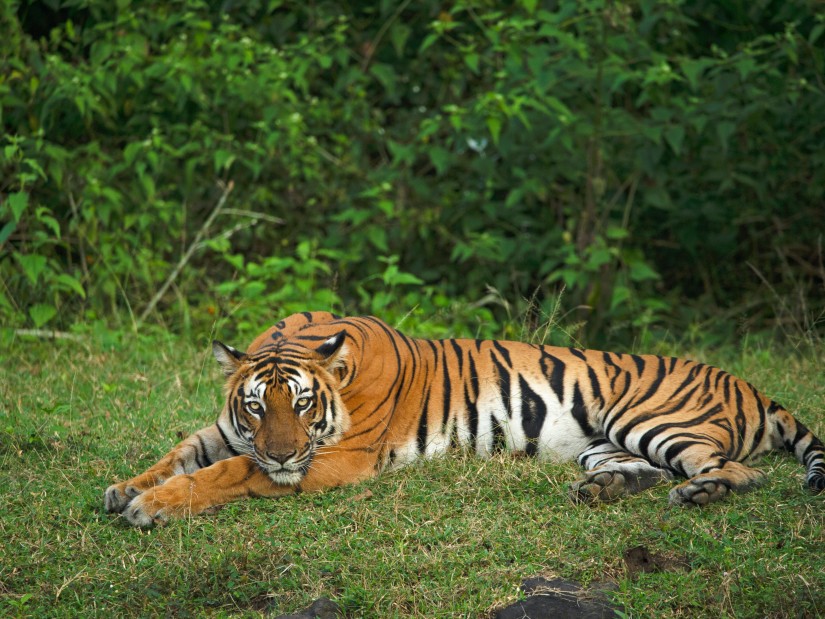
x,y
159,504
144,512
118,496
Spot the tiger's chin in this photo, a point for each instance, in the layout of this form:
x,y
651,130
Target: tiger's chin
x,y
285,477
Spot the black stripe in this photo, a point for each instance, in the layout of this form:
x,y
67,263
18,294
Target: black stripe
x,y
812,452
410,369
264,364
690,423
459,353
422,424
579,411
595,387
691,376
204,451
724,423
640,363
472,418
503,384
661,374
533,413
654,387
801,432
741,422
503,352
644,442
608,360
761,425
313,338
726,385
395,386
577,353
471,397
555,376
198,460
672,452
231,449
677,408
474,381
445,373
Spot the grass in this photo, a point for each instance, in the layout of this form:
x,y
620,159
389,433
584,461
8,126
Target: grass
x,y
448,538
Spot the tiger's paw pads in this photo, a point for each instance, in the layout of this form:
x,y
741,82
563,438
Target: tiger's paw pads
x,y
145,513
598,486
118,496
698,492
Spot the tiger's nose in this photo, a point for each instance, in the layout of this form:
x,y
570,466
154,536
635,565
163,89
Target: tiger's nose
x,y
280,458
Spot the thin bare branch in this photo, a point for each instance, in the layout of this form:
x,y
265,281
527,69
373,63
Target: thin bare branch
x,y
189,252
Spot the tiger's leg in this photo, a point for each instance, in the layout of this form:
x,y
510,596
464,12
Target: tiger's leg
x,y
239,477
612,472
199,450
711,476
192,493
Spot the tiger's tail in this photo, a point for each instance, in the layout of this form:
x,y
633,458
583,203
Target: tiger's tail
x,y
801,442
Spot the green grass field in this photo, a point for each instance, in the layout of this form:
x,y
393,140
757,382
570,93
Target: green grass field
x,y
449,538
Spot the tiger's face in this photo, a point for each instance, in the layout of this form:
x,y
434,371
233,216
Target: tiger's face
x,y
283,405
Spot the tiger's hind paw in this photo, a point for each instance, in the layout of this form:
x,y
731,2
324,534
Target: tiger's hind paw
x,y
699,491
598,486
118,496
611,482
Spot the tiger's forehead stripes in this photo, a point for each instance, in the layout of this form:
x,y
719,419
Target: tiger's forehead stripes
x,y
255,388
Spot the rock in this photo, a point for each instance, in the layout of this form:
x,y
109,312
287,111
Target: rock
x,y
558,599
322,608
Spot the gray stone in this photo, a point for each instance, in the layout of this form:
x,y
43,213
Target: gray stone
x,y
322,608
558,599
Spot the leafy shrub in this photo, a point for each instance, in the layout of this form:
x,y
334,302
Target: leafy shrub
x,y
650,162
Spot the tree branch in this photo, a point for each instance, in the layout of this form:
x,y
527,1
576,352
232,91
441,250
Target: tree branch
x,y
188,255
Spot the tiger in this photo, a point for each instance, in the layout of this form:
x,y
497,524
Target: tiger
x,y
319,401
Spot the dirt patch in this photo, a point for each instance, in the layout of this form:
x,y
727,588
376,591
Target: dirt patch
x,y
639,560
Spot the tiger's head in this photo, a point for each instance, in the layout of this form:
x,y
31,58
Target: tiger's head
x,y
283,403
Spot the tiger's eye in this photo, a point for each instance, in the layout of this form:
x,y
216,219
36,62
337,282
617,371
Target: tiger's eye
x,y
302,402
254,407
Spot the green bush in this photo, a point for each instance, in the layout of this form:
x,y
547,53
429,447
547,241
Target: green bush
x,y
658,161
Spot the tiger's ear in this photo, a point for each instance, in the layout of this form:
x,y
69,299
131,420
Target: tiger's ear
x,y
332,351
229,358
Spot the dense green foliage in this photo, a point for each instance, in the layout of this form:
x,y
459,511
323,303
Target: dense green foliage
x,y
659,161
441,539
